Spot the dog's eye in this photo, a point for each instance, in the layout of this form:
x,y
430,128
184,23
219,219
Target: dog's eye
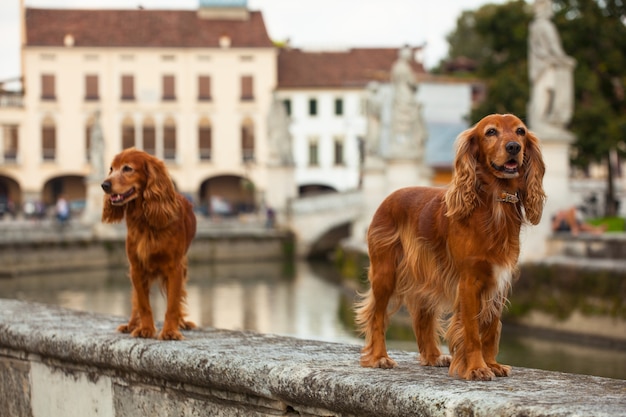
x,y
127,168
110,169
491,132
520,131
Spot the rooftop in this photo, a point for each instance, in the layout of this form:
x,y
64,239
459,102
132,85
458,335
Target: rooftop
x,y
356,67
141,28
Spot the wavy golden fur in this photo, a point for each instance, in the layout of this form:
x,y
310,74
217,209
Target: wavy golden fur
x,y
161,225
455,251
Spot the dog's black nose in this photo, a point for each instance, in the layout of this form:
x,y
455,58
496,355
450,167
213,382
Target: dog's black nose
x,y
513,148
106,186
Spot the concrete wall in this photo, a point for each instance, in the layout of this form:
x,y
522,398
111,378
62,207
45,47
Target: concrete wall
x,y
56,362
45,248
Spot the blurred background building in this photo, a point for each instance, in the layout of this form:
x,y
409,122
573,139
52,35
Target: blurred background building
x,y
195,87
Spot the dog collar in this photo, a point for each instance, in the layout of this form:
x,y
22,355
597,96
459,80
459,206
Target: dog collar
x,y
507,198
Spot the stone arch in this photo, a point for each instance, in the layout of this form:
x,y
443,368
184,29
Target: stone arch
x,y
315,189
227,195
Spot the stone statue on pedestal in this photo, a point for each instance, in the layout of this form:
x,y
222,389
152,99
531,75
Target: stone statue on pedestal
x,y
373,112
407,126
551,74
279,138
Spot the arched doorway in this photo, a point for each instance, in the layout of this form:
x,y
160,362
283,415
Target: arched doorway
x,y
10,196
315,189
227,195
71,186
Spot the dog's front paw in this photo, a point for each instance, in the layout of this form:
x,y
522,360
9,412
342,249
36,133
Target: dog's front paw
x,y
187,325
144,332
384,362
173,334
125,328
441,360
500,370
480,374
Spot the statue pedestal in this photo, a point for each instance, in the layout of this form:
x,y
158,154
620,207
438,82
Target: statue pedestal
x,y
406,173
556,183
374,192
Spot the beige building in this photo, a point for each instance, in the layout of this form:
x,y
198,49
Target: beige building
x,y
191,87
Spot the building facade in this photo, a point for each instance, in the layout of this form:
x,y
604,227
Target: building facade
x,y
192,88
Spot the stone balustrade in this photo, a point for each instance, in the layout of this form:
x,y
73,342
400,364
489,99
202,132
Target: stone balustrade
x,y
58,362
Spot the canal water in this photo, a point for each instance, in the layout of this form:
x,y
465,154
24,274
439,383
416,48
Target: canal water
x,y
303,300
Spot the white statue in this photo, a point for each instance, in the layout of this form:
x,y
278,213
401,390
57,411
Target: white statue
x,y
280,150
373,113
551,74
96,149
407,127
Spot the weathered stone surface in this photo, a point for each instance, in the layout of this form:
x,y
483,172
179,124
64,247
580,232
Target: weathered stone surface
x,y
243,373
14,380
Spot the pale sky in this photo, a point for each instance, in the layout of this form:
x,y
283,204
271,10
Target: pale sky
x,y
322,24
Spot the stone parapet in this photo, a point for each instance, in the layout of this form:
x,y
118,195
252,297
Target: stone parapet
x,y
58,362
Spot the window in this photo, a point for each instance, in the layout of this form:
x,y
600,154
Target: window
x,y
47,87
128,88
128,133
339,151
91,88
312,107
48,139
10,145
204,88
169,91
287,104
247,88
338,107
169,139
205,139
247,140
149,136
313,152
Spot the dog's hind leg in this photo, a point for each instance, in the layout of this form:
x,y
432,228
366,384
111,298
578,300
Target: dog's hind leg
x,y
427,330
372,316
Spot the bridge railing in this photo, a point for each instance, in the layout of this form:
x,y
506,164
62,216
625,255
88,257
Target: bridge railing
x,y
58,362
326,202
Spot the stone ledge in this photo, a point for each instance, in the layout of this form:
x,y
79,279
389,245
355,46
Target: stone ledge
x,y
217,372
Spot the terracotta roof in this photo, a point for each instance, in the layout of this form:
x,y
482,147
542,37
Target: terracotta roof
x,y
141,28
350,68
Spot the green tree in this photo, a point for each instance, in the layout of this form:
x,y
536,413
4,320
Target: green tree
x,y
503,65
593,32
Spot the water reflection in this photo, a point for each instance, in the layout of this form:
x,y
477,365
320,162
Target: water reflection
x,y
270,298
263,297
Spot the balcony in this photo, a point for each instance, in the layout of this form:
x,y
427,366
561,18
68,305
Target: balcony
x,y
11,99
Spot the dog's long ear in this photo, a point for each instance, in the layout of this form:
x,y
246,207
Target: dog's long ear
x,y
111,213
462,197
159,196
531,193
